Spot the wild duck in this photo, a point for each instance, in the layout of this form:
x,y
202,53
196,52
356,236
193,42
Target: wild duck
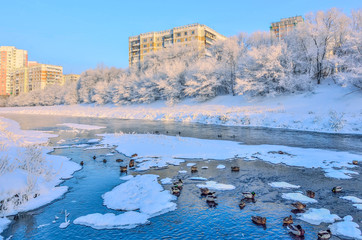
x,y
134,155
310,194
193,169
324,234
123,168
288,220
235,169
175,190
355,162
249,195
299,205
104,160
81,163
179,184
296,230
94,157
119,160
242,204
337,189
204,191
131,163
258,220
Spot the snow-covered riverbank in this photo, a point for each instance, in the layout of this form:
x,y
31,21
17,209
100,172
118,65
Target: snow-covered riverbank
x,y
29,176
328,109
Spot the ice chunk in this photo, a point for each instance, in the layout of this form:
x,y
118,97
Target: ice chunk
x,y
346,228
166,181
198,178
352,199
298,197
283,185
317,216
216,186
220,166
191,164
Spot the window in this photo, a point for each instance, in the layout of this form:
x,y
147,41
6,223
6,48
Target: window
x,y
193,32
151,45
178,40
178,34
185,39
158,39
150,39
158,44
145,45
144,51
185,33
145,40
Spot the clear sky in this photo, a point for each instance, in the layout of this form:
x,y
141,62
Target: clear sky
x,y
79,35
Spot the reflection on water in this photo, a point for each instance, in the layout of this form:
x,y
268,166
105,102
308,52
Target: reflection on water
x,y
193,219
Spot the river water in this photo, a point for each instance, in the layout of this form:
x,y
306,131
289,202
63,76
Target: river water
x,y
193,219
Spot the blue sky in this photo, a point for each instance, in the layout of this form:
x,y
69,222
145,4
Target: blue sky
x,y
79,35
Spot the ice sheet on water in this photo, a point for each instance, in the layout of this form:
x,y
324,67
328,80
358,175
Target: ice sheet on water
x,y
283,185
216,186
298,197
317,216
346,228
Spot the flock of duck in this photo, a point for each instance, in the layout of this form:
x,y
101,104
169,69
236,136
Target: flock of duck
x,y
211,197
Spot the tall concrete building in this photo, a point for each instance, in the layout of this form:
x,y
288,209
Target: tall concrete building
x,y
68,78
284,26
10,59
189,35
41,75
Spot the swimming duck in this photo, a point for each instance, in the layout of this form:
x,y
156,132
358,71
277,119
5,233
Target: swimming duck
x,y
123,168
179,184
210,198
249,195
296,230
131,163
355,162
337,189
104,160
119,160
235,169
299,205
193,169
288,220
81,163
94,157
258,220
310,194
175,190
242,204
324,234
134,155
204,191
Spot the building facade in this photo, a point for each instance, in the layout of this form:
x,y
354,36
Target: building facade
x,y
284,26
197,35
10,59
68,78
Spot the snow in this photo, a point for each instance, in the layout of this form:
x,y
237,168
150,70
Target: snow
x,y
190,164
95,140
298,197
4,223
318,111
317,216
33,172
352,199
126,220
346,228
126,178
198,178
100,146
204,167
166,181
81,126
142,192
283,185
358,206
182,171
220,166
161,150
216,186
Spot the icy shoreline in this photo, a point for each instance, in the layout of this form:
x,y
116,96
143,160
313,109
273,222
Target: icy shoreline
x,y
329,109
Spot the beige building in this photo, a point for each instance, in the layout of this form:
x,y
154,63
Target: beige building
x,y
70,78
284,26
10,59
189,35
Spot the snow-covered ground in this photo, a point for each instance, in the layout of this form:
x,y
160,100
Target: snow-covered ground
x,y
32,172
327,109
160,150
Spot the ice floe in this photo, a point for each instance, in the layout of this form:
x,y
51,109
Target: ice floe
x,y
220,166
125,220
182,171
94,140
298,197
198,178
166,181
190,164
283,185
346,228
216,186
352,199
317,216
204,167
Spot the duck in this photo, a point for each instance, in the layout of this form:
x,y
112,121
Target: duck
x,y
288,220
94,157
104,160
123,168
131,163
249,195
204,191
210,198
119,160
296,230
258,220
193,169
299,205
310,194
337,189
81,163
242,204
134,155
355,162
175,190
219,135
324,234
179,184
235,169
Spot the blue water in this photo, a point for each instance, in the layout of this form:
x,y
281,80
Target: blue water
x,y
193,219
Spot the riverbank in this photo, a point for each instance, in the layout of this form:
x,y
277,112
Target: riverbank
x,y
329,108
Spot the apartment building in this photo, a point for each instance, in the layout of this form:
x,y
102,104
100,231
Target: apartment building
x,y
68,78
284,26
11,58
197,35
